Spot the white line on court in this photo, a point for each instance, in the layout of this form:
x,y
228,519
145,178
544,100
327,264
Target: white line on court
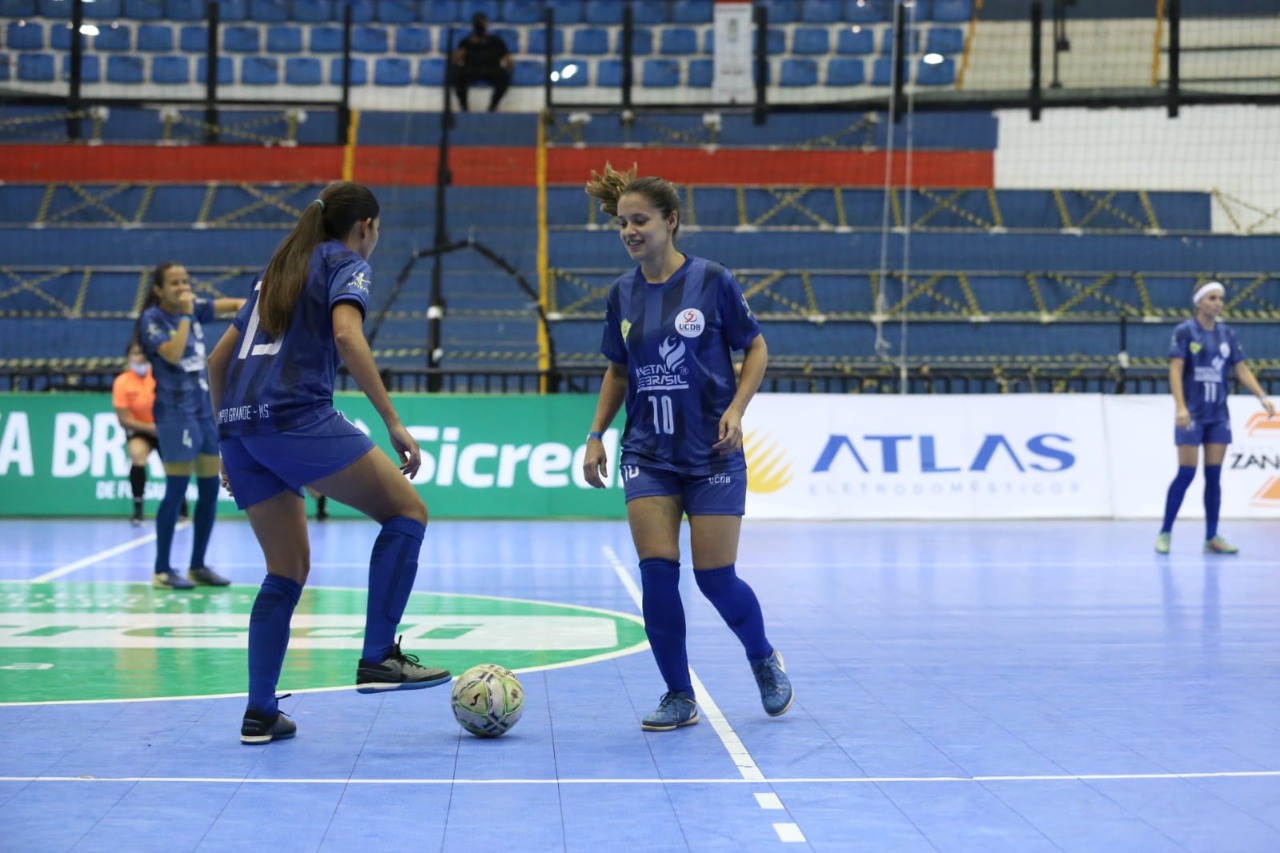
x,y
809,780
101,555
706,705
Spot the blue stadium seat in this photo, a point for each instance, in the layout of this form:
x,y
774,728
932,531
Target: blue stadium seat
x,y
233,11
35,67
155,38
224,70
692,12
590,41
781,11
538,41
126,69
269,11
936,74
648,12
193,38
312,12
567,11
775,42
170,70
952,11
144,10
369,39
90,70
184,10
528,72
882,71
912,43
413,40
112,38
846,71
302,71
869,11
284,39
396,12
260,71
326,39
811,41
18,8
641,42
660,73
359,71
54,9
701,73
944,40
25,35
362,11
510,37
609,73
602,12
240,38
851,43
102,10
439,12
5,64
392,71
798,73
492,9
678,41
60,36
522,12
570,72
820,11
431,71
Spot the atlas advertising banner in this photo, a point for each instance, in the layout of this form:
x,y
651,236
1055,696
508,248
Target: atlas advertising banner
x,y
1143,460
482,457
971,456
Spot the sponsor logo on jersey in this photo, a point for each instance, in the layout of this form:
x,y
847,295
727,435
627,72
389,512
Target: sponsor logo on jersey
x,y
626,329
1195,347
690,323
359,282
669,375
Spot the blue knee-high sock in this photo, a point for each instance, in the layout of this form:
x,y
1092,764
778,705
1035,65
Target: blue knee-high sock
x,y
167,519
738,606
664,621
392,569
206,512
1177,491
1212,499
269,638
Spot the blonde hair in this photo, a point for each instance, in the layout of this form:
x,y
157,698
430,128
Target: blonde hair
x,y
610,185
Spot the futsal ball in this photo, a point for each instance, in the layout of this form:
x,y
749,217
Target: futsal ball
x,y
488,700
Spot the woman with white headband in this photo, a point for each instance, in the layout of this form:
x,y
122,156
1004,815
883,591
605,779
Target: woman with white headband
x,y
1201,354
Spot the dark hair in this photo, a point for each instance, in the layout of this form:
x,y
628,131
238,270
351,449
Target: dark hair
x,y
611,185
330,217
133,342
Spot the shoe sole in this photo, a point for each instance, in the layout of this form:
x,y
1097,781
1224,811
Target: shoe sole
x,y
650,727
223,582
383,687
257,740
785,708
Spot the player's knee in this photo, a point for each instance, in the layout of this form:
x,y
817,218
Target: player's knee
x,y
415,509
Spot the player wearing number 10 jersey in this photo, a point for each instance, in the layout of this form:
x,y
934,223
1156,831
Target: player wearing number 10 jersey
x,y
670,325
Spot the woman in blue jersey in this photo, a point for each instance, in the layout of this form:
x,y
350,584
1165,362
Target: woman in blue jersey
x,y
272,380
1202,353
170,332
670,324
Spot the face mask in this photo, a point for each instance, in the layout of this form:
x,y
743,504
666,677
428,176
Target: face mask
x,y
140,369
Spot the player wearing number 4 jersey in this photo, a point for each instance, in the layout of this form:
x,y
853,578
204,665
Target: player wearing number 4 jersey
x,y
1202,354
171,333
271,379
670,325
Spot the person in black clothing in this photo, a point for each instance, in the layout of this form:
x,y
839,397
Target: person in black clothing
x,y
481,56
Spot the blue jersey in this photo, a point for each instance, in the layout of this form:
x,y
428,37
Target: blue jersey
x,y
1208,356
287,383
182,389
674,339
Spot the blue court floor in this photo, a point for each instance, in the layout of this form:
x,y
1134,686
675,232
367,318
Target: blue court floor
x,y
961,686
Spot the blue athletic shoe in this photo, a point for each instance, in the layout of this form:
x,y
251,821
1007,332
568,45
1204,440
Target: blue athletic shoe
x,y
775,687
675,709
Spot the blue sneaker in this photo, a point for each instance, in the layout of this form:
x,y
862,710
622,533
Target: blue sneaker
x,y
775,687
675,709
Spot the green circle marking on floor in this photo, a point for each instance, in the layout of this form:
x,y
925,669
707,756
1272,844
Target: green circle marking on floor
x,y
102,641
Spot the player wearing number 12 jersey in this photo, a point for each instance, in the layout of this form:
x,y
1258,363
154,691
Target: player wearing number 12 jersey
x,y
1202,354
670,325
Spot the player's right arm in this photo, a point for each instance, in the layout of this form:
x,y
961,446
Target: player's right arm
x,y
172,349
1182,415
613,390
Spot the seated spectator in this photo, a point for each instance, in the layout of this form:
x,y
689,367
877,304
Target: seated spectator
x,y
481,56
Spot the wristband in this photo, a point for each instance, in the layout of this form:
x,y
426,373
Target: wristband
x,y
594,435
189,317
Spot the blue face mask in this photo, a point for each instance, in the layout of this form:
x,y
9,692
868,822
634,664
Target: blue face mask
x,y
140,369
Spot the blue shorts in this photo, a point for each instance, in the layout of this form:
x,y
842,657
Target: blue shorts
x,y
1218,432
183,441
708,494
262,466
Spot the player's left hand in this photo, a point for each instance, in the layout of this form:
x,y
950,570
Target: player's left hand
x,y
226,484
730,432
1270,407
406,450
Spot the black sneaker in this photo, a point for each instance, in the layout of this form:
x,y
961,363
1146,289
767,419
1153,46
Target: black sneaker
x,y
263,728
185,510
136,519
397,671
322,508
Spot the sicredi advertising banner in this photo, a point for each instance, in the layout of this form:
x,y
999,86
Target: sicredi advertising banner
x,y
1144,460
962,456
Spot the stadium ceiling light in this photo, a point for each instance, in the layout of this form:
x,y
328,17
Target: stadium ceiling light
x,y
88,30
568,71
932,59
